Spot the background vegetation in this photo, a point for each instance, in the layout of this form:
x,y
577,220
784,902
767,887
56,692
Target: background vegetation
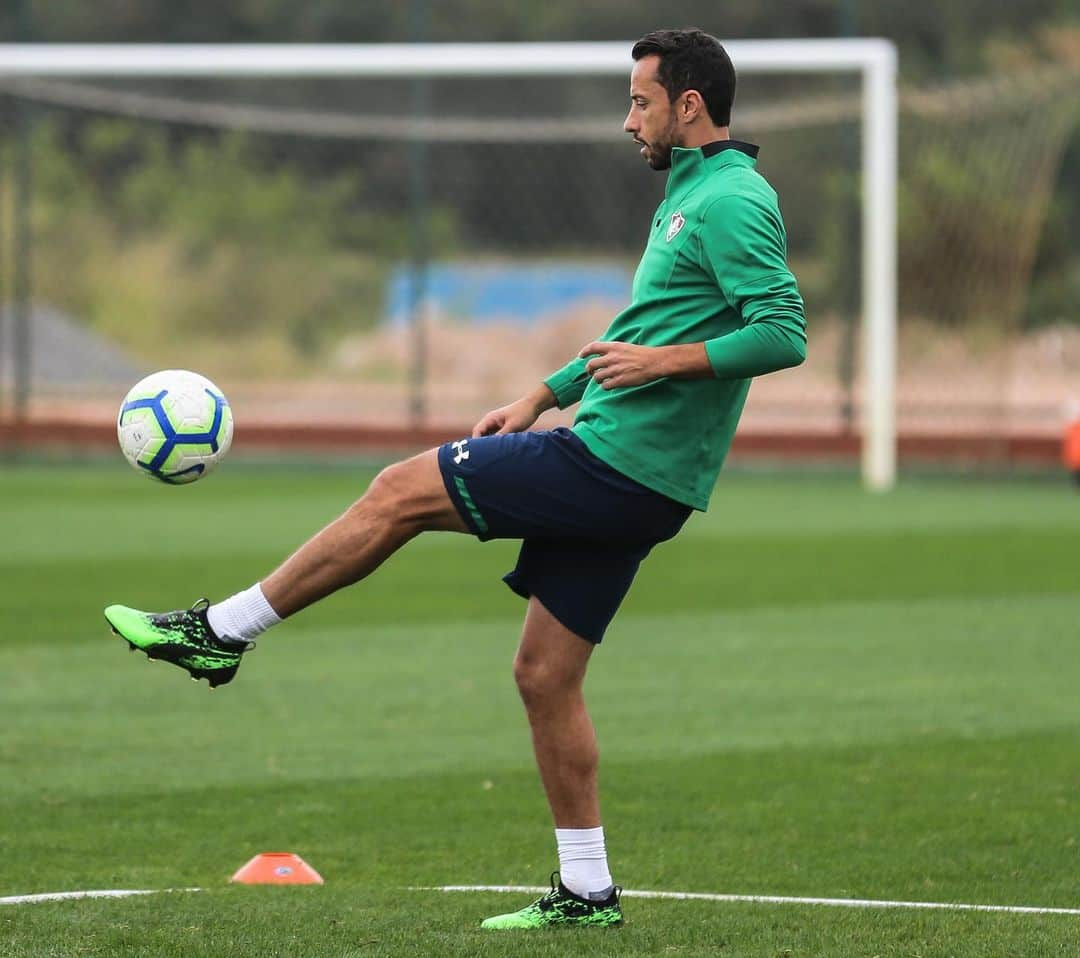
x,y
151,229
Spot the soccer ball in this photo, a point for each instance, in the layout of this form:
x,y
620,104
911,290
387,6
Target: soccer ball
x,y
175,426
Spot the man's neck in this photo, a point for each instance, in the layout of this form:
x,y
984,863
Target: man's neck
x,y
696,137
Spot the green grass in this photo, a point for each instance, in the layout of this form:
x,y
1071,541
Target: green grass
x,y
812,692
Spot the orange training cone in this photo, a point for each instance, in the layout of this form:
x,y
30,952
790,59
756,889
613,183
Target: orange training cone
x,y
278,868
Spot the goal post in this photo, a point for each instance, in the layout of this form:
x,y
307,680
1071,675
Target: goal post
x,y
874,61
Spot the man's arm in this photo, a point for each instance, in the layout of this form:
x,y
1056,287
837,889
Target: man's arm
x,y
628,364
766,345
518,416
562,388
743,248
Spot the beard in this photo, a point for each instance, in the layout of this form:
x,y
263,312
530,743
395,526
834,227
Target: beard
x,y
658,152
659,156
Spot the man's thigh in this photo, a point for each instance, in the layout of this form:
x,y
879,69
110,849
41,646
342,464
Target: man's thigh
x,y
579,583
415,491
547,485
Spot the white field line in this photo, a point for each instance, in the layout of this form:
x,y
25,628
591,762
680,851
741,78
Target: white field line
x,y
629,893
779,899
105,893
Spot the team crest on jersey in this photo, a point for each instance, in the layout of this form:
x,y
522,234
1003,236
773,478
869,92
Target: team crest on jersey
x,y
678,221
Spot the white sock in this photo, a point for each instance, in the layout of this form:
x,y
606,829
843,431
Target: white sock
x,y
243,616
583,866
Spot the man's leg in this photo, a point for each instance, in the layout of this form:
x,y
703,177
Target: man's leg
x,y
208,641
404,500
550,672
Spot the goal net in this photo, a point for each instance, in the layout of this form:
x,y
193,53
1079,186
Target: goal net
x,y
370,241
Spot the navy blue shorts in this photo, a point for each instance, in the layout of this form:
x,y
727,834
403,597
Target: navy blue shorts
x,y
585,526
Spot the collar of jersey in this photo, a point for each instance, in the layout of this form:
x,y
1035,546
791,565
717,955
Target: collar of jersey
x,y
688,166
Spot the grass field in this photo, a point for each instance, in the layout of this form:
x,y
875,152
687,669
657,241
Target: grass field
x,y
812,692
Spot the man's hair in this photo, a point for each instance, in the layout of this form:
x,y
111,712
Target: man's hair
x,y
692,60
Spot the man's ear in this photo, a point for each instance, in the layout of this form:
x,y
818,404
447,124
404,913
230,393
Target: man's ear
x,y
690,106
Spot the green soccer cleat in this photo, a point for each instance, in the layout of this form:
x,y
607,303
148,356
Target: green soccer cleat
x,y
183,638
560,906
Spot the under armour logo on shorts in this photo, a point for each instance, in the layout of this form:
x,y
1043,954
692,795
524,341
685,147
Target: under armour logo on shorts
x,y
460,452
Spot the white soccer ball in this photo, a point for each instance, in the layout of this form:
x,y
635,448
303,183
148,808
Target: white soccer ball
x,y
175,426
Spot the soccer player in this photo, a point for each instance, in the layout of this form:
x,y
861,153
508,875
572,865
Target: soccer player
x,y
713,305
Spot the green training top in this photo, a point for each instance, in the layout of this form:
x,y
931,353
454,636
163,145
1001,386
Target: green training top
x,y
714,271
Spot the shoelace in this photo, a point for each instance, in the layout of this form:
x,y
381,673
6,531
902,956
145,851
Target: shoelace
x,y
547,902
172,620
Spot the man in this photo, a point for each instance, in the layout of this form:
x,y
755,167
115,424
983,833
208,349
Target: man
x,y
713,305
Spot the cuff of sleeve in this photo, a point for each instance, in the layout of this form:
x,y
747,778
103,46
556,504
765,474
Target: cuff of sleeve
x,y
566,383
714,349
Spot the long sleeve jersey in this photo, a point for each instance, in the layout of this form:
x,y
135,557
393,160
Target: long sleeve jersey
x,y
714,271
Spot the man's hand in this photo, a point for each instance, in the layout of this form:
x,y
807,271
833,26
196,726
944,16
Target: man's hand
x,y
627,364
518,416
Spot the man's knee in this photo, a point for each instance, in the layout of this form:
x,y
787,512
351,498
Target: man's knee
x,y
411,494
540,680
390,486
